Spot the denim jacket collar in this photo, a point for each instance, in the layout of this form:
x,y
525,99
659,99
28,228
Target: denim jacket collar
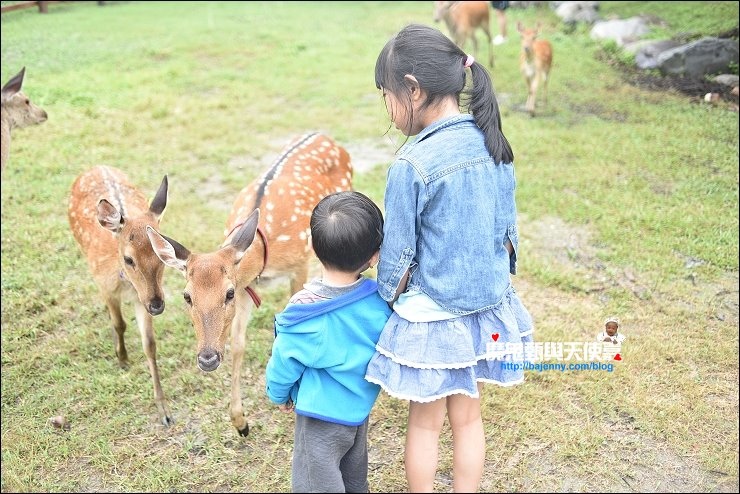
x,y
434,127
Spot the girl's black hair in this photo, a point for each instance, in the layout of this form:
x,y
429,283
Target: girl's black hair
x,y
438,65
346,230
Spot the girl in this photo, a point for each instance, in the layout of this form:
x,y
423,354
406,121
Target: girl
x,y
450,241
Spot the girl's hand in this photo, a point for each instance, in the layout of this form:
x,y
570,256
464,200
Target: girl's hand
x,y
287,407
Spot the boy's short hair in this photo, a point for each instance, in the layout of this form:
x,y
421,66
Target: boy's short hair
x,y
346,230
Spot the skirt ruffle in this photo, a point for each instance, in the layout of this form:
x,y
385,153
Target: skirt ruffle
x,y
425,361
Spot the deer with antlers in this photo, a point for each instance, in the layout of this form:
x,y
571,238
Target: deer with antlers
x,y
535,61
16,112
463,19
109,218
267,234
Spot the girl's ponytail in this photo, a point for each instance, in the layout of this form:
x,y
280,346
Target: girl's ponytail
x,y
484,108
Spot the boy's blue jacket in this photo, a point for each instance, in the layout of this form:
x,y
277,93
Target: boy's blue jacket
x,y
320,355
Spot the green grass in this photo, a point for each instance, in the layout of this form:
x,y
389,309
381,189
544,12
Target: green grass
x,y
628,202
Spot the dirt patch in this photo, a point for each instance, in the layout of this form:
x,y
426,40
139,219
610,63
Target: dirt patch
x,y
368,153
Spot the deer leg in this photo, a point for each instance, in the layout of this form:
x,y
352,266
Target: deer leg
x,y
544,86
490,45
119,328
474,38
144,320
532,94
238,340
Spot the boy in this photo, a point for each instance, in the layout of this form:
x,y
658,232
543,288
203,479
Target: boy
x,y
324,339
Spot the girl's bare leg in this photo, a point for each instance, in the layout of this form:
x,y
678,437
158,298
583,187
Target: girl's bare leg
x,y
468,440
422,443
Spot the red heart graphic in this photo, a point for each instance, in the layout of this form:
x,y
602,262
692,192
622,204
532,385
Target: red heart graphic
x,y
617,357
494,336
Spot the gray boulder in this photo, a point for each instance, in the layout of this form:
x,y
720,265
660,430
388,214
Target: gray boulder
x,y
620,30
646,57
573,12
727,79
697,59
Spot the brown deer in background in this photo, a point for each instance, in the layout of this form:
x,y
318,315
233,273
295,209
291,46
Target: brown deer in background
x,y
535,61
109,217
267,234
16,112
463,19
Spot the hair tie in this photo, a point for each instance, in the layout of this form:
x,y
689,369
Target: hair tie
x,y
468,61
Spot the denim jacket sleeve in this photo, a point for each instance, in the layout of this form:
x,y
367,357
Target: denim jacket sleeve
x,y
405,196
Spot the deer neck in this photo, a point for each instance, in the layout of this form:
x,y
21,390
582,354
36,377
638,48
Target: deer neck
x,y
4,136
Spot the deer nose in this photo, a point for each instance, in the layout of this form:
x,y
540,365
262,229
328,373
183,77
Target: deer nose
x,y
208,360
156,306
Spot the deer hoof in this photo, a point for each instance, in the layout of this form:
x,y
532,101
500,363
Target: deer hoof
x,y
245,431
168,421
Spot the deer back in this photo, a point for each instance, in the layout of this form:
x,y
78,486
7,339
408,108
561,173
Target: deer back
x,y
307,170
108,217
462,18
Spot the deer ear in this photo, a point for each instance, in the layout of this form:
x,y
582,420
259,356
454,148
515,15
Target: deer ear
x,y
109,217
159,203
245,235
170,252
13,85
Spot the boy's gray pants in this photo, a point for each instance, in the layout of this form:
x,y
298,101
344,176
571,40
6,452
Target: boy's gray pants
x,y
329,457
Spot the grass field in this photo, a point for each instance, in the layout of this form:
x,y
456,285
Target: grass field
x,y
628,204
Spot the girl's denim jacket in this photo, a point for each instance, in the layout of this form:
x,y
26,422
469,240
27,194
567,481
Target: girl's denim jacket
x,y
449,211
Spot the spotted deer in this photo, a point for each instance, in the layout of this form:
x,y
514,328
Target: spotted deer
x,y
109,217
267,234
535,61
16,112
463,19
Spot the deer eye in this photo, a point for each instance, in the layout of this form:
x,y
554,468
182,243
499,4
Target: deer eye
x,y
187,298
229,294
28,101
128,261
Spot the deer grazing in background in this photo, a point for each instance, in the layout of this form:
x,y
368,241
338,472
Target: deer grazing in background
x,y
535,62
267,234
463,19
109,217
17,112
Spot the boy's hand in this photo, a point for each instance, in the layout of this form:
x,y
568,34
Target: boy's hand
x,y
287,407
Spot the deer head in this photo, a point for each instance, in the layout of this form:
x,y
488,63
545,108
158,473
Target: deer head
x,y
211,285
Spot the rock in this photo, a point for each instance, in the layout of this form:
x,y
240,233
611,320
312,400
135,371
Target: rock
x,y
646,57
620,30
697,59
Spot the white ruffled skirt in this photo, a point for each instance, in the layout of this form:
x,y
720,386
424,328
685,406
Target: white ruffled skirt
x,y
425,361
